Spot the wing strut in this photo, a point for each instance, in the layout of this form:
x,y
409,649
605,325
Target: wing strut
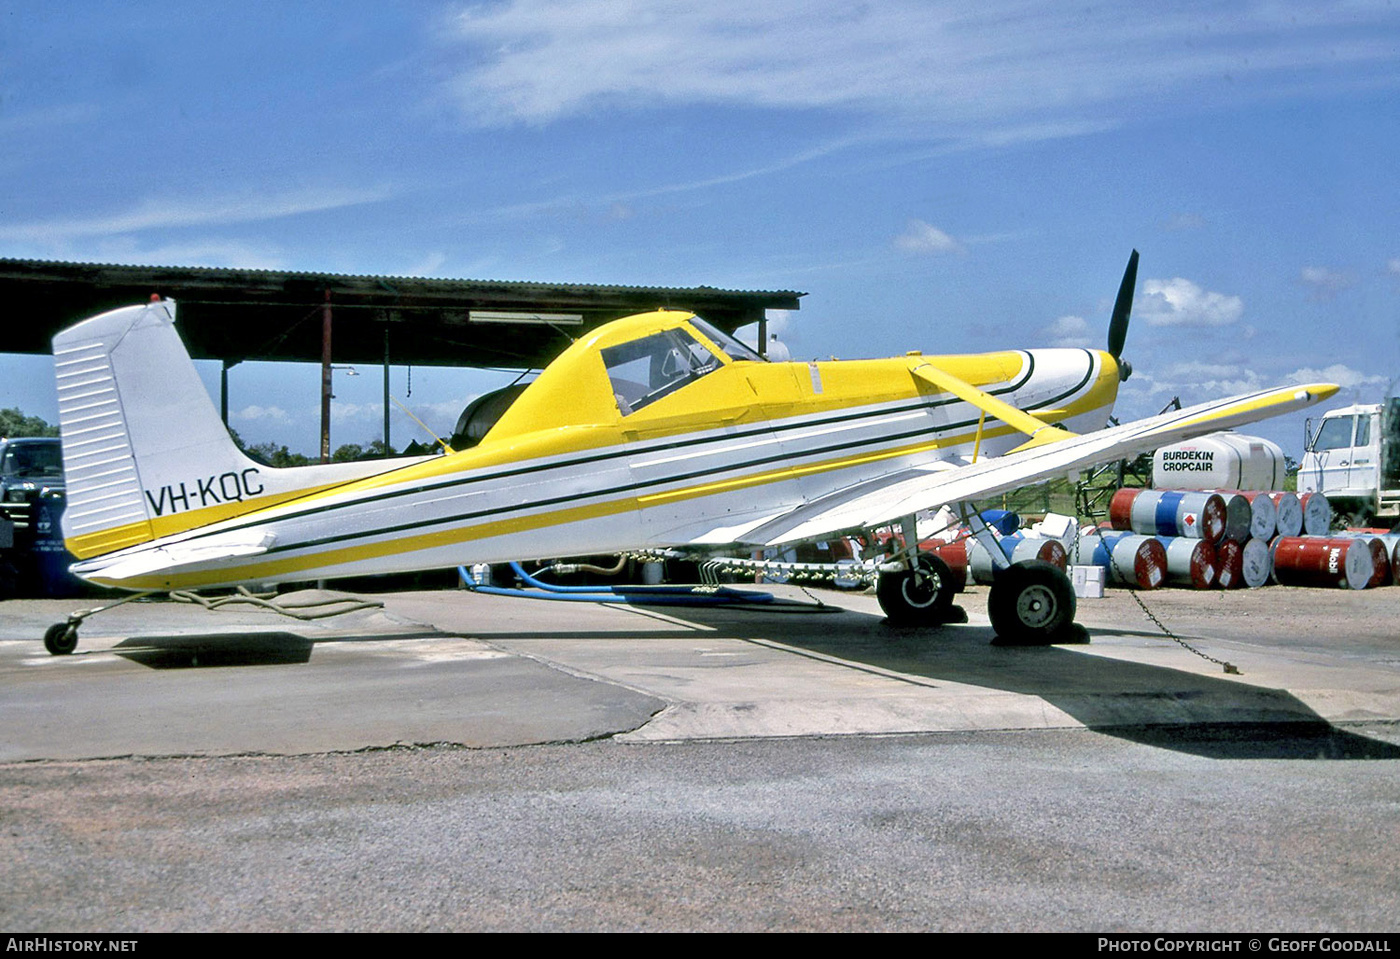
x,y
1039,431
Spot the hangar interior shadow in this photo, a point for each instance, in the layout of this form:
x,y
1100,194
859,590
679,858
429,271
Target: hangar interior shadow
x,y
1110,696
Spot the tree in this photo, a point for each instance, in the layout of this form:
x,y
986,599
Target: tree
x,y
15,423
273,455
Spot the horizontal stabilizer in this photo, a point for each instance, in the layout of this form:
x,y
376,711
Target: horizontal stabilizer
x,y
205,553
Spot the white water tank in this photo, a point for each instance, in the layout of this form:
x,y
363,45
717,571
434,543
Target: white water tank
x,y
1228,461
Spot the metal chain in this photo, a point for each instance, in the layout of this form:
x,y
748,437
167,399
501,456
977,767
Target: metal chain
x,y
1230,668
710,570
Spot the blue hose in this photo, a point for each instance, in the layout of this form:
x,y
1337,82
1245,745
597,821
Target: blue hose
x,y
643,595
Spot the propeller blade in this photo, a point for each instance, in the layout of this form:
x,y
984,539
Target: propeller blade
x,y
1122,308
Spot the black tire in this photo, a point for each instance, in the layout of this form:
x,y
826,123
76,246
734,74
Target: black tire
x,y
60,639
921,597
1031,604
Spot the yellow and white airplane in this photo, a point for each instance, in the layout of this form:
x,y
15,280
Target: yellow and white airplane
x,y
653,431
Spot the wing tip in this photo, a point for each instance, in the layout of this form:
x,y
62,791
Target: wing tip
x,y
1315,392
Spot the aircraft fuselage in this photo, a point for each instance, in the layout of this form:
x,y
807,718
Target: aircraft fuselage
x,y
589,460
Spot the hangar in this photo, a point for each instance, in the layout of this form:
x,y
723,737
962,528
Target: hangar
x,y
234,315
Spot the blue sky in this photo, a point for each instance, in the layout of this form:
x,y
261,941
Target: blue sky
x,y
935,178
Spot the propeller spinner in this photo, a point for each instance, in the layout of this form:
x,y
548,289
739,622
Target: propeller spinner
x,y
1122,309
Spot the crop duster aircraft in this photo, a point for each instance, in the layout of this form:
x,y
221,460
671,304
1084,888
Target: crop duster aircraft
x,y
653,431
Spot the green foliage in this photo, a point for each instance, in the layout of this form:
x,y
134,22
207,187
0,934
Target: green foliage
x,y
270,454
14,423
273,455
354,451
1062,496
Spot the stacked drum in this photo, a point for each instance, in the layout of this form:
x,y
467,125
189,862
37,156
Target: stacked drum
x,y
1196,539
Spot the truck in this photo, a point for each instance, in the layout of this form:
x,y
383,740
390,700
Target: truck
x,y
29,467
31,496
1353,457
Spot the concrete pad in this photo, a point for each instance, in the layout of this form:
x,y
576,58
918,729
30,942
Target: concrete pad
x,y
733,674
162,678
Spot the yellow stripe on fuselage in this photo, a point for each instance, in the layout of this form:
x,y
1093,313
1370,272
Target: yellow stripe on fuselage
x,y
158,527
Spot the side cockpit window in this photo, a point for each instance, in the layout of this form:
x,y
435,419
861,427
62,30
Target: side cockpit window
x,y
645,370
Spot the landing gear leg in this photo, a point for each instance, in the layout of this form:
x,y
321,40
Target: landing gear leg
x,y
60,639
1032,604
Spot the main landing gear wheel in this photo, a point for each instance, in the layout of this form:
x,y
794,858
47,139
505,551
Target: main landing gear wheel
x,y
1032,604
922,596
60,639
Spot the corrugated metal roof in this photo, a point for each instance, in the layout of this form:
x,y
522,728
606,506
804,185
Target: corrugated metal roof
x,y
235,314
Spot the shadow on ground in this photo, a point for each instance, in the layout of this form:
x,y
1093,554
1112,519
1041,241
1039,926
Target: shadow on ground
x,y
262,648
1220,717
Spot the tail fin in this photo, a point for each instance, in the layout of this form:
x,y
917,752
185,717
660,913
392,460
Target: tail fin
x,y
145,452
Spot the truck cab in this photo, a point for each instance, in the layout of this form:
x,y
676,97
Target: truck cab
x,y
1353,457
30,466
31,481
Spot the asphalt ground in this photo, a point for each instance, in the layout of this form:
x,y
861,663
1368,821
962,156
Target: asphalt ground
x,y
459,761
162,678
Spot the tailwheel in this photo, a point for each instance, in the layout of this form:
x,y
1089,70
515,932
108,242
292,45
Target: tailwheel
x,y
60,639
922,596
1032,604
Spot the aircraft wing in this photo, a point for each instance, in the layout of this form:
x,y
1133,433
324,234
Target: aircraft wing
x,y
886,501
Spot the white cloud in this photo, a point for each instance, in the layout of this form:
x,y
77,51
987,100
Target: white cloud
x,y
210,252
1199,381
1185,221
35,122
921,237
446,409
429,265
779,324
1004,63
166,213
363,423
1179,302
1339,373
1069,331
1324,282
260,414
343,411
1392,266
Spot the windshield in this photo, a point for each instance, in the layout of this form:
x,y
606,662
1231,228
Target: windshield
x,y
645,370
732,348
32,459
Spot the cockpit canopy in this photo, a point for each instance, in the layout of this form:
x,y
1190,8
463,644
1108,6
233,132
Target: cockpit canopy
x,y
644,370
625,366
